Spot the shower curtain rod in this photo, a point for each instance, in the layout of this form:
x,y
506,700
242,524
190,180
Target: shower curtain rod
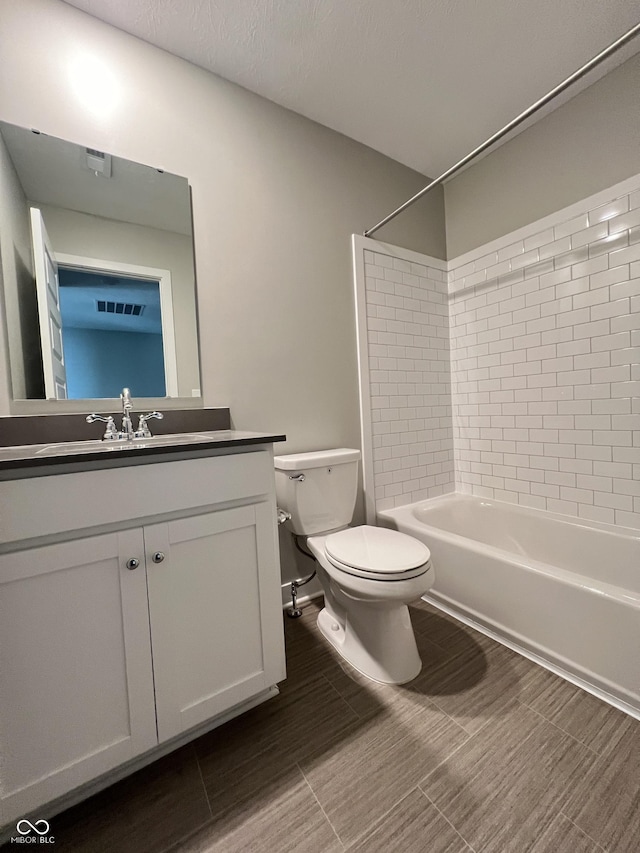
x,y
600,57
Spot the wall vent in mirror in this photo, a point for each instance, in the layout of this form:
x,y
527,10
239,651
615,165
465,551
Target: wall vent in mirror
x,y
72,242
119,308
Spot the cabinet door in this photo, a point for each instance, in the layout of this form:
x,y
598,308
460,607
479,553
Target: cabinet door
x,y
76,688
214,605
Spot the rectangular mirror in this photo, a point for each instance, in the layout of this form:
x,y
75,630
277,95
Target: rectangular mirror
x,y
98,275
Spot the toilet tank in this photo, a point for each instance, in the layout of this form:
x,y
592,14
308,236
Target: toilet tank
x,y
318,488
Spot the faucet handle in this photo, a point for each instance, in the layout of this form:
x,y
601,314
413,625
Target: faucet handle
x,y
110,432
143,430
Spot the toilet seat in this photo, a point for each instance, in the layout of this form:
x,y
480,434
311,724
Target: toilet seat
x,y
377,553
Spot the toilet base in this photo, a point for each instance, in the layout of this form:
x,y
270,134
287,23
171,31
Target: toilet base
x,y
375,638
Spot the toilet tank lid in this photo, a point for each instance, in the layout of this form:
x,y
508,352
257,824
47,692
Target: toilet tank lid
x,y
315,459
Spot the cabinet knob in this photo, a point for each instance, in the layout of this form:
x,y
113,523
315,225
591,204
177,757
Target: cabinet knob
x,y
133,563
158,557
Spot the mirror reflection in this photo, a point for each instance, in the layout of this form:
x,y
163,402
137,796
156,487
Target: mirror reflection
x,y
97,273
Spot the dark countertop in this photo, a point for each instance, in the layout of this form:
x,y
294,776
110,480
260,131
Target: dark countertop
x,y
30,456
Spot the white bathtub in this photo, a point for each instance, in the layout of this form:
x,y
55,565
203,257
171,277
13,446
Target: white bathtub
x,y
563,591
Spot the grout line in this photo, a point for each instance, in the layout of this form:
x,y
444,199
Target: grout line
x,y
559,728
340,842
204,787
344,699
177,846
381,818
470,737
580,829
440,812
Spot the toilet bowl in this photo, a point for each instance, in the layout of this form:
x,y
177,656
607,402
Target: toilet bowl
x,y
368,574
365,615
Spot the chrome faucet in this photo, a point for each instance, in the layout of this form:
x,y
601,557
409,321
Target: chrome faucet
x,y
127,406
127,432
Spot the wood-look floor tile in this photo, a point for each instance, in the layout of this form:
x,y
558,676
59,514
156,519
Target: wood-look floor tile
x,y
438,626
144,812
563,836
240,759
414,826
370,770
308,653
473,688
286,819
587,718
606,801
504,787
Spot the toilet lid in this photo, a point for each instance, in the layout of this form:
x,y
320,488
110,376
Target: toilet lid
x,y
376,549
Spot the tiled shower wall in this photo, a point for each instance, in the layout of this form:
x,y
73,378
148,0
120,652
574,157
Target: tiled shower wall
x,y
545,357
410,382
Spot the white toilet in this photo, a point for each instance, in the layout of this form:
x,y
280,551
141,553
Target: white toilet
x,y
368,574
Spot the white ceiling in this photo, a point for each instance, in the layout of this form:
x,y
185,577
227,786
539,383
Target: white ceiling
x,y
422,81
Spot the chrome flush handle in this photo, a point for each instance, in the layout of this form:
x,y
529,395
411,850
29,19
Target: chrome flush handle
x,y
299,478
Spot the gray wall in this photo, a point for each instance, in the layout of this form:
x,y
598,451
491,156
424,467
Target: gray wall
x,y
586,145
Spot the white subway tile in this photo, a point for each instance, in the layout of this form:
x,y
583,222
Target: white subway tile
x,y
630,322
623,502
619,373
624,221
595,232
511,251
574,347
568,259
628,519
594,265
629,288
613,469
572,287
578,223
595,359
608,211
618,308
608,244
625,256
592,297
589,330
538,239
557,247
617,438
574,318
563,507
596,513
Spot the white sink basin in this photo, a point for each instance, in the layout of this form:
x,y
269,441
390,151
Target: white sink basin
x,y
71,448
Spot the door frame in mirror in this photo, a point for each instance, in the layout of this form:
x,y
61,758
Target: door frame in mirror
x,y
97,265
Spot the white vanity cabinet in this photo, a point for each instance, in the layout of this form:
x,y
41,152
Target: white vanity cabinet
x,y
137,604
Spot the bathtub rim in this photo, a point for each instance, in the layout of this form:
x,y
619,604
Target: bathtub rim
x,y
405,514
520,509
